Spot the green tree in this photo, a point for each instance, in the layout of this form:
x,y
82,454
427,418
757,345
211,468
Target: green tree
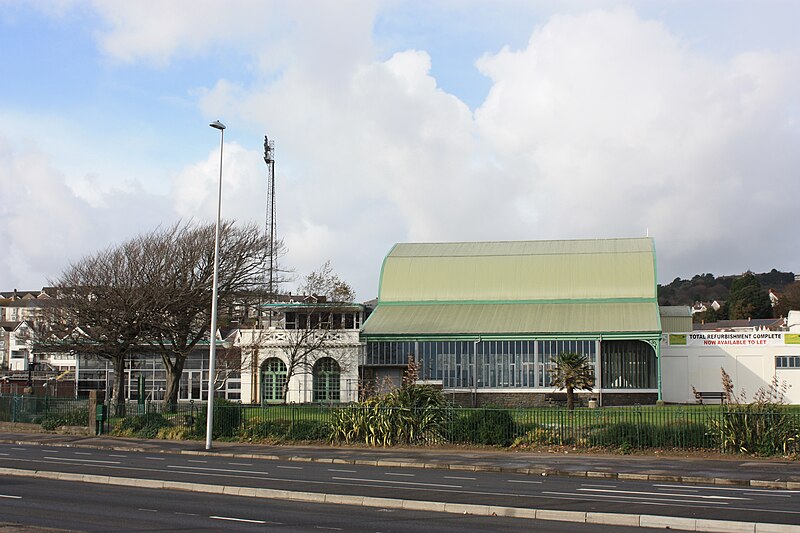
x,y
747,299
572,371
789,300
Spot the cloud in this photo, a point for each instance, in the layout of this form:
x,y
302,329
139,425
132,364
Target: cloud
x,y
614,126
604,124
44,225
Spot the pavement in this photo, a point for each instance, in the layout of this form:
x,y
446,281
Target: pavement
x,y
718,470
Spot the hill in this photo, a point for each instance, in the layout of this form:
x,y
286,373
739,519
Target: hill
x,y
707,287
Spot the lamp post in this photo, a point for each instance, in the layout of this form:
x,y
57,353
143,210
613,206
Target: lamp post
x,y
212,349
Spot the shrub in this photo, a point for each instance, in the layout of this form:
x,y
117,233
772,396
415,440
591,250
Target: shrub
x,y
756,428
51,422
624,435
284,430
763,427
539,436
276,430
145,426
484,426
173,433
412,414
681,434
227,418
638,435
309,430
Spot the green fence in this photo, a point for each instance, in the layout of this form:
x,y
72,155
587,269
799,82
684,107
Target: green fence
x,y
45,410
755,429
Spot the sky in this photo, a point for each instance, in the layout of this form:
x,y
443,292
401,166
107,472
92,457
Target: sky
x,y
402,121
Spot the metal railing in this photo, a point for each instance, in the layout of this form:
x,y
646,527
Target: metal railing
x,y
764,430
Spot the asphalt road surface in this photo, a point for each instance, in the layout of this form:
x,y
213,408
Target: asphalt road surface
x,y
503,489
75,506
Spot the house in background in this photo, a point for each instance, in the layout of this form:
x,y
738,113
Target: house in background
x,y
15,346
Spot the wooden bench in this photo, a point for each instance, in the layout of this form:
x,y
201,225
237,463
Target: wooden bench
x,y
703,396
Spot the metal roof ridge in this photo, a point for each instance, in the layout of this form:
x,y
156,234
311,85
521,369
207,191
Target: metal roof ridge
x,y
553,301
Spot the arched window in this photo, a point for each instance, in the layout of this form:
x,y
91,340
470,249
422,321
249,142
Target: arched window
x,y
629,365
273,380
326,380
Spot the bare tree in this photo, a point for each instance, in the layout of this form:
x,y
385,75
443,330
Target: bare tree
x,y
182,317
319,324
152,292
104,308
325,282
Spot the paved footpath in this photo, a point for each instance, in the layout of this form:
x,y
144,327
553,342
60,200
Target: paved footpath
x,y
733,470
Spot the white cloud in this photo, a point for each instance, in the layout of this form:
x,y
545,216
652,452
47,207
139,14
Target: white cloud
x,y
603,125
616,127
44,225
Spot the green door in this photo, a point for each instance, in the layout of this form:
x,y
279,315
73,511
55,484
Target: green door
x,y
327,376
273,379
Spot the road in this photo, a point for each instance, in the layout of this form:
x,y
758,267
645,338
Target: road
x,y
729,503
85,507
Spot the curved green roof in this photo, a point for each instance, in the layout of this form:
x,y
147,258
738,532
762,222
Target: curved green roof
x,y
523,287
514,271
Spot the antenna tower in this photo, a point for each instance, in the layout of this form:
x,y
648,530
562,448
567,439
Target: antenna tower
x,y
269,229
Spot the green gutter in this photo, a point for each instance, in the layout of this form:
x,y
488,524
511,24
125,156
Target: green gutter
x,y
605,335
658,346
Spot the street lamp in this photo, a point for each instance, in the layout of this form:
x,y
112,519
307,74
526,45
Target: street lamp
x,y
212,349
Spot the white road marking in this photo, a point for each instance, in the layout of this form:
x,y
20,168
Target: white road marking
x,y
186,514
196,461
771,495
148,510
330,528
5,454
116,455
241,464
156,458
461,477
641,499
524,481
209,469
291,467
665,494
340,470
82,453
233,519
10,497
19,449
397,482
84,460
739,489
398,474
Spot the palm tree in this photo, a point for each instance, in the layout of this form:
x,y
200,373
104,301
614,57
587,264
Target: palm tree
x,y
572,371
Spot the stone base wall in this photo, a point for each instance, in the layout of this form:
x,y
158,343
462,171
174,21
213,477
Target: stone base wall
x,y
546,399
630,398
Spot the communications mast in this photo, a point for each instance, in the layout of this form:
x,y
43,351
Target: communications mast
x,y
272,260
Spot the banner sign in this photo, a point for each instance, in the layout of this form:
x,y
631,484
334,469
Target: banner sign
x,y
733,338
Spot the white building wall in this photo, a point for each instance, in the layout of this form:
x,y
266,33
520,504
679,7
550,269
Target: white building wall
x,y
344,347
19,348
749,360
